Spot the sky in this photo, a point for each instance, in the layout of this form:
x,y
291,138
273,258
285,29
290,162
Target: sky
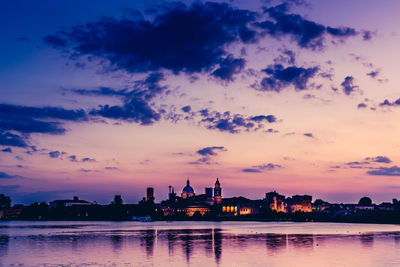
x,y
99,98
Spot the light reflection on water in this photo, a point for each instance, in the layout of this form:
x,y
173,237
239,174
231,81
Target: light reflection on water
x,y
198,244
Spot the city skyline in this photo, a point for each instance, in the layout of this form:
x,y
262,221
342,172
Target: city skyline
x,y
297,96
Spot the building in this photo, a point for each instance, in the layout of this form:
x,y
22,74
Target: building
x,y
150,194
193,209
187,191
171,194
240,206
189,203
69,203
275,201
217,193
298,203
209,192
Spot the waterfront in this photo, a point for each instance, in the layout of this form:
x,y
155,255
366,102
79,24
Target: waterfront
x,y
198,244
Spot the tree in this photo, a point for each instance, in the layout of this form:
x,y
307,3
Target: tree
x,y
365,201
5,201
117,200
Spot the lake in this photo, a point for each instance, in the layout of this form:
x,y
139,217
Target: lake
x,y
198,244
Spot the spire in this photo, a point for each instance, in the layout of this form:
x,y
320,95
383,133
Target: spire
x,y
217,182
188,182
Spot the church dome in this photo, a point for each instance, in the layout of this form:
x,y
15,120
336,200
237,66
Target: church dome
x,y
188,189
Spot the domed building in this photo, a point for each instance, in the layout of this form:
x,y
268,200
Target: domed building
x,y
187,191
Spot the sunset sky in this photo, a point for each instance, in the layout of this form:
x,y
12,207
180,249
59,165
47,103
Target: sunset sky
x,y
109,97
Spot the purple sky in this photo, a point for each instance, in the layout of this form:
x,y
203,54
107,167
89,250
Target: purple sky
x,y
101,98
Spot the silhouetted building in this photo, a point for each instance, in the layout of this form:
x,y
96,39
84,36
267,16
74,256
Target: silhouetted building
x,y
171,194
365,203
69,203
209,192
150,194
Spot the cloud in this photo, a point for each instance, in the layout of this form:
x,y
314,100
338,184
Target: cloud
x,y
9,139
251,170
262,167
362,105
110,168
287,57
73,158
373,74
88,160
186,109
4,175
201,161
228,67
25,120
368,162
210,151
7,149
385,171
352,163
307,34
367,35
309,135
101,91
233,123
388,103
56,41
348,86
207,153
280,77
136,107
180,38
54,154
379,159
260,118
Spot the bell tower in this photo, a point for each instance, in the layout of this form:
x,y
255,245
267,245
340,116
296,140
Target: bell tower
x,y
217,193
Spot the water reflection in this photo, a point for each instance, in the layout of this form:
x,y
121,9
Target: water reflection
x,y
301,241
187,237
193,247
367,240
116,241
4,240
275,242
147,238
172,237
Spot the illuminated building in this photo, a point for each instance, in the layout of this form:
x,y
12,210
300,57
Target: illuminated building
x,y
217,193
194,209
240,206
299,203
187,191
275,201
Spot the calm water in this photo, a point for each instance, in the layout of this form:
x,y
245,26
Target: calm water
x,y
198,244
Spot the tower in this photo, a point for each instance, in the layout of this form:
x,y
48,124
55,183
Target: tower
x,y
217,193
150,194
171,194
